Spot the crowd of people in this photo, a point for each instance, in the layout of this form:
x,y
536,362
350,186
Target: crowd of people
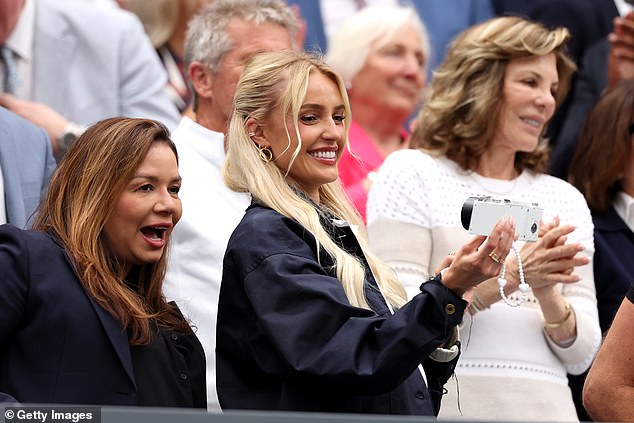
x,y
183,206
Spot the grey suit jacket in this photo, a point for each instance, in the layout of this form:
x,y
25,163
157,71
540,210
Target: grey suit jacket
x,y
92,63
27,164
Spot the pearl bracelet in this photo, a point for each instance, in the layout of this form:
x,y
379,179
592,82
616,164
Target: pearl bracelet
x,y
562,321
523,287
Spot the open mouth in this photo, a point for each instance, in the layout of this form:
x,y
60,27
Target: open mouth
x,y
154,233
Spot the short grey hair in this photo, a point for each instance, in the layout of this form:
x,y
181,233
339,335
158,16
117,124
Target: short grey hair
x,y
207,40
350,46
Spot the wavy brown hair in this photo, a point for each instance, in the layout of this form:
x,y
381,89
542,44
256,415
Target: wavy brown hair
x,y
88,181
461,110
604,147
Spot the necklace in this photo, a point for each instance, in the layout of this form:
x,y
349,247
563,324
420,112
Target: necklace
x,y
493,185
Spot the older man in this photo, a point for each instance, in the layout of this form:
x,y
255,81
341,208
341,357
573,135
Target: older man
x,y
220,39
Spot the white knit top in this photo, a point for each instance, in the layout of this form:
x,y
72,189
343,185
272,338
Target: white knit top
x,y
414,222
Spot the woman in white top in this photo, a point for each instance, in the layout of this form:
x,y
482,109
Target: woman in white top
x,y
480,134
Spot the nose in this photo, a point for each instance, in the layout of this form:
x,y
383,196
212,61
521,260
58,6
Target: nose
x,y
333,130
413,68
547,101
167,203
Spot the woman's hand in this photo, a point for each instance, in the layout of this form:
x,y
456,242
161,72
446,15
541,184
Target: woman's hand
x,y
550,260
479,259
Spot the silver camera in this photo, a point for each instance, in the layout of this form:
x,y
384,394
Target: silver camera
x,y
480,214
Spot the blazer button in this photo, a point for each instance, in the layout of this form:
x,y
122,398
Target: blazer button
x,y
420,395
175,337
450,309
183,376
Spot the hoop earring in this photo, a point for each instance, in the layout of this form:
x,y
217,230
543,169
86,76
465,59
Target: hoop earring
x,y
265,153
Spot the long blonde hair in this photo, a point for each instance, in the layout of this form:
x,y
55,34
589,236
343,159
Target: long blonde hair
x,y
460,114
281,78
87,182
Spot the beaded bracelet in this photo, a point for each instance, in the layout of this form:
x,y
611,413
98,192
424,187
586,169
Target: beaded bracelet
x,y
562,321
524,287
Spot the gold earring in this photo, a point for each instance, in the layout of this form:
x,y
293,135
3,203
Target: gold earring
x,y
265,153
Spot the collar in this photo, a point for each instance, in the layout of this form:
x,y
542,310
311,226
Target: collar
x,y
21,39
624,207
205,142
623,6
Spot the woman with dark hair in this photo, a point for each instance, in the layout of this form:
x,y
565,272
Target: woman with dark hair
x,y
82,316
603,170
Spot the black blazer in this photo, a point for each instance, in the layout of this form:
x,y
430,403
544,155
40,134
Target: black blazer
x,y
288,339
613,263
56,344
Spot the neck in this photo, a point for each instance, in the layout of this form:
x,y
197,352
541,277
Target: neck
x,y
383,127
498,165
209,118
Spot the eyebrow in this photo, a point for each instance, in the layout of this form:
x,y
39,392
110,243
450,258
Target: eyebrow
x,y
154,178
320,106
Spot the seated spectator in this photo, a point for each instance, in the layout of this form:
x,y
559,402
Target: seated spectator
x,y
82,316
70,64
606,137
308,318
480,133
381,53
26,165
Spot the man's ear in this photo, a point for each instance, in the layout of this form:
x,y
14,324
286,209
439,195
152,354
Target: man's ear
x,y
202,79
256,133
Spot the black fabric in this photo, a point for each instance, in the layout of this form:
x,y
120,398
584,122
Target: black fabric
x,y
170,370
288,338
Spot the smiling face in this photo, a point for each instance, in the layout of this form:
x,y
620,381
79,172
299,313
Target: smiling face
x,y
529,102
145,213
393,74
322,129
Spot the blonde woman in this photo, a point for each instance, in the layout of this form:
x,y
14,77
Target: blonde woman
x,y
82,316
480,134
308,318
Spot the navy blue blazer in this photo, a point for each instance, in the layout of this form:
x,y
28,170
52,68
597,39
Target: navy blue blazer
x,y
613,263
288,338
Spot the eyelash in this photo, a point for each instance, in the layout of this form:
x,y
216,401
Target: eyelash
x,y
311,118
147,187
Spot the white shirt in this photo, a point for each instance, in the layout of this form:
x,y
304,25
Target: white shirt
x,y
210,214
623,6
415,205
624,207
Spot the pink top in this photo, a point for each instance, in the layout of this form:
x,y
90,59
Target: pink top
x,y
353,170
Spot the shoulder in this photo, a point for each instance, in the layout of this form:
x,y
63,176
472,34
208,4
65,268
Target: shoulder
x,y
84,18
265,232
557,188
26,242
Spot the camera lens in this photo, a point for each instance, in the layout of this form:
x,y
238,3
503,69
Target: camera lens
x,y
467,210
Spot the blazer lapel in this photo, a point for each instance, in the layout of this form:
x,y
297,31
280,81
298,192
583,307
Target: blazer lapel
x,y
116,334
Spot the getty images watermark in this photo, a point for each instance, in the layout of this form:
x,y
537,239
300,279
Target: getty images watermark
x,y
52,414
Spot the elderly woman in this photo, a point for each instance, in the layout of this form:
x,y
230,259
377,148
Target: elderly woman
x,y
381,53
480,134
82,316
308,318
